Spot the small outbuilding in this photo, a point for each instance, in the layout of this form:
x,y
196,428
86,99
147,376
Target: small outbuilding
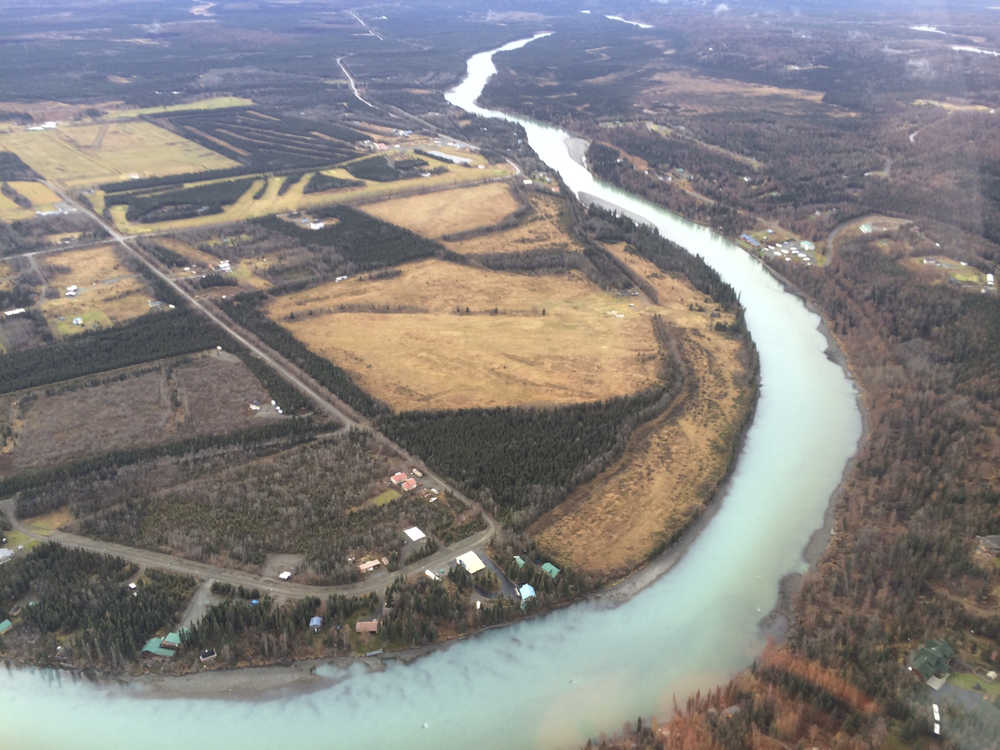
x,y
5,626
366,626
285,575
206,655
6,555
471,562
315,623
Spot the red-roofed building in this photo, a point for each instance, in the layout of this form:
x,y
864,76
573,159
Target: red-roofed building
x,y
398,478
409,484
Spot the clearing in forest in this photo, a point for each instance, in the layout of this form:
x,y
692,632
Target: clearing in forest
x,y
76,155
151,403
107,290
448,211
446,336
541,229
673,464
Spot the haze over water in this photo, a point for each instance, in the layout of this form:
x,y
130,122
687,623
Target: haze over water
x,y
558,679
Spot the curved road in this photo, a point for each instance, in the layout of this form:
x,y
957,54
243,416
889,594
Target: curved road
x,y
325,402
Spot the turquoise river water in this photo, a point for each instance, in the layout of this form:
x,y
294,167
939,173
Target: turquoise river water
x,y
587,669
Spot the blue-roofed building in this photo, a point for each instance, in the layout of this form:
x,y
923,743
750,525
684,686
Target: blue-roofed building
x,y
316,623
519,561
551,570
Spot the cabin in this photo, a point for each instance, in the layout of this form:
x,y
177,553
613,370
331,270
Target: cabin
x,y
5,626
551,570
366,626
368,567
414,534
932,662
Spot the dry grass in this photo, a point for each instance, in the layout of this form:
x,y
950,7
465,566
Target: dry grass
x,y
672,465
960,106
271,203
78,154
109,292
10,211
543,229
705,94
429,357
215,102
160,401
40,195
448,211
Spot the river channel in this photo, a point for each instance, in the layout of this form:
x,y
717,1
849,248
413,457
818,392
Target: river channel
x,y
556,680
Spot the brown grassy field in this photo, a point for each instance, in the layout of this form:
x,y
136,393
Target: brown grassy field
x,y
40,196
423,355
542,229
87,154
672,465
109,292
155,402
448,211
704,94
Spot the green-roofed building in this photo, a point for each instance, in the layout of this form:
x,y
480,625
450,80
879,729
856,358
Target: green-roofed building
x,y
153,647
519,561
5,626
172,640
551,570
932,659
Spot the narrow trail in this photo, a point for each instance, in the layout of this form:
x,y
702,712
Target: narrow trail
x,y
352,84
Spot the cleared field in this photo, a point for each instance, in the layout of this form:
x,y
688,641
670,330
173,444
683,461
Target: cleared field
x,y
552,339
294,199
108,291
39,195
541,230
10,211
705,94
672,465
88,154
152,403
215,102
448,211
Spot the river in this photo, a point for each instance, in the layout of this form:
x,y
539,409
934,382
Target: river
x,y
556,680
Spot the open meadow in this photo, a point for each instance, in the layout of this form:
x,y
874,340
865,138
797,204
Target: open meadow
x,y
672,464
79,155
447,336
108,291
445,212
156,402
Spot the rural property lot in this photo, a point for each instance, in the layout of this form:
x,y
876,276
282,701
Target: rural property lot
x,y
109,292
77,155
672,464
553,339
437,214
152,403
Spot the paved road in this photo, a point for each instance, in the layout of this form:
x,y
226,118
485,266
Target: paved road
x,y
324,401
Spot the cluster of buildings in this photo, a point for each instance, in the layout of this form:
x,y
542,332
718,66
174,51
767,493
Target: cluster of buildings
x,y
792,250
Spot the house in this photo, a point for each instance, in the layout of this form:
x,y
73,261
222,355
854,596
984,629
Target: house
x,y
932,662
551,570
366,626
414,534
527,591
471,562
5,626
368,567
398,478
14,312
285,575
409,485
171,641
166,646
315,623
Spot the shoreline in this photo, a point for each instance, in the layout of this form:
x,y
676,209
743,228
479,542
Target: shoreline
x,y
292,678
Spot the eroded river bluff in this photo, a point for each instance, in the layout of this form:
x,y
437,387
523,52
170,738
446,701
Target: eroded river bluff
x,y
558,679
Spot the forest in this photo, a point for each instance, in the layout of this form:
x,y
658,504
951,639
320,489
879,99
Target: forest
x,y
82,595
183,203
262,492
519,462
361,239
152,336
380,169
245,311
